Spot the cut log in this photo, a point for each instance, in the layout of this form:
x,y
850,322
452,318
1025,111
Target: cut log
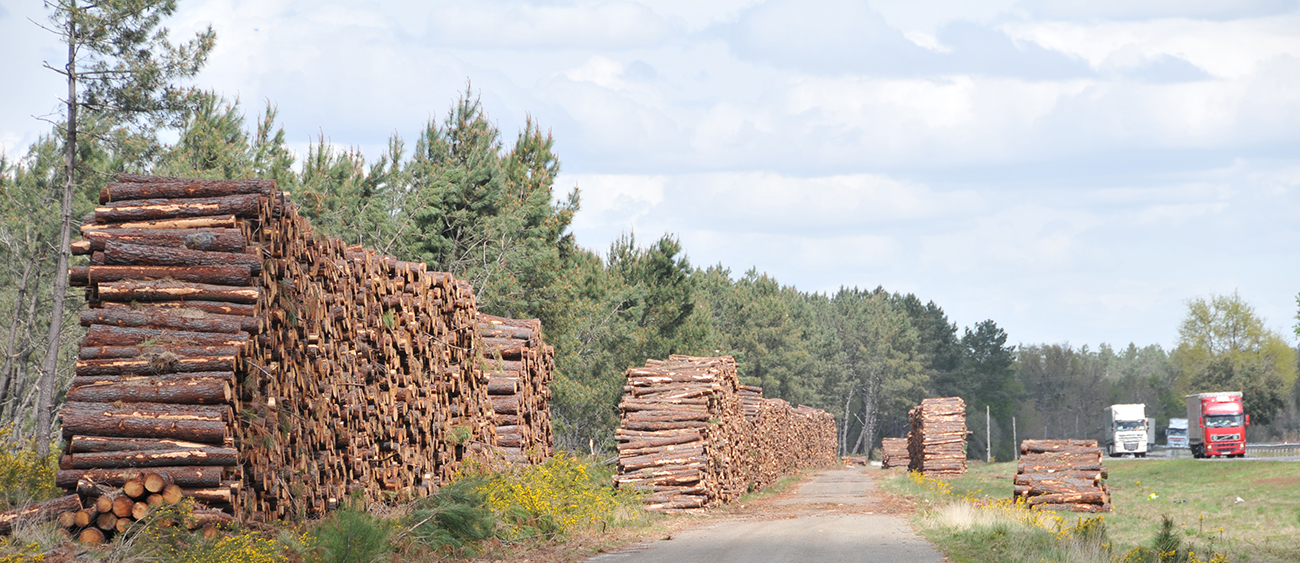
x,y
105,335
163,209
122,505
210,307
133,488
187,189
173,494
196,423
196,476
39,512
156,482
125,254
237,275
217,222
106,521
126,291
211,240
112,352
156,365
91,444
91,536
153,458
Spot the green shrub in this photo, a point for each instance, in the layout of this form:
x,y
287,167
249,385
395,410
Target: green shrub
x,y
350,536
454,516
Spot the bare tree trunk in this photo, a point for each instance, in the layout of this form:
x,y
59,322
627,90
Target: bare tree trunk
x,y
6,373
870,414
45,403
844,431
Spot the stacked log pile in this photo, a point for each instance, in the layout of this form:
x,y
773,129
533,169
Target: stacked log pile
x,y
893,453
232,348
1062,475
518,365
937,443
692,437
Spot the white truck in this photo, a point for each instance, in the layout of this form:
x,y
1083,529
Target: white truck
x,y
1126,430
1176,434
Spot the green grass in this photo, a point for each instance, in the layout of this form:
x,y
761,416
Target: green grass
x,y
1199,496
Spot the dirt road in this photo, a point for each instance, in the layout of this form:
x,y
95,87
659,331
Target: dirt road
x,y
833,516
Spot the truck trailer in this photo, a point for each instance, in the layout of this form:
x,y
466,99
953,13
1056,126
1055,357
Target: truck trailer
x,y
1126,430
1217,424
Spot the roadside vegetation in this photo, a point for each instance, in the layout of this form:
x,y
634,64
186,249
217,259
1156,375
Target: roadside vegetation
x,y
1165,511
565,505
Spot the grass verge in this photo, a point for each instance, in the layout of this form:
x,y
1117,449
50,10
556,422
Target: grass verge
x,y
972,520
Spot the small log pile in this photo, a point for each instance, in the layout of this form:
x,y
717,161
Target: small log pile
x,y
693,437
1062,475
230,347
519,366
102,512
937,443
893,453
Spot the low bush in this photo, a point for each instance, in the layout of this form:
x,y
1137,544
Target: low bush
x,y
25,477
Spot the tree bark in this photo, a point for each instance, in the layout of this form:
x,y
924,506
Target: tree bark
x,y
180,392
39,512
162,209
117,316
205,455
207,424
106,335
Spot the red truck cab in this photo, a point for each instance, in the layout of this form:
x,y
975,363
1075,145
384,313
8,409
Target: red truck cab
x,y
1218,424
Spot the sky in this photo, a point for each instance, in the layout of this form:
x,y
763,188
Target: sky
x,y
1073,170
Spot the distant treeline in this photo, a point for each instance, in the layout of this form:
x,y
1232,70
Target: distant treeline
x,y
464,201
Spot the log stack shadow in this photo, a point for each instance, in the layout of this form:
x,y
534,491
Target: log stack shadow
x,y
234,349
691,437
1062,475
937,443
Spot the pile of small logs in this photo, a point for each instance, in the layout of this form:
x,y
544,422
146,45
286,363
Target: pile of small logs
x,y
692,437
937,443
893,453
108,511
519,366
1062,475
232,348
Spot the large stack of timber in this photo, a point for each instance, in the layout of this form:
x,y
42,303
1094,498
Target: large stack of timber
x,y
893,453
230,348
518,365
692,437
1062,475
937,443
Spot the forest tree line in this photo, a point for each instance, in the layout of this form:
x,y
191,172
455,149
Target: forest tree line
x,y
465,199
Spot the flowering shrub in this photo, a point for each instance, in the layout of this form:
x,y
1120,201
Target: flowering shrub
x,y
549,498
